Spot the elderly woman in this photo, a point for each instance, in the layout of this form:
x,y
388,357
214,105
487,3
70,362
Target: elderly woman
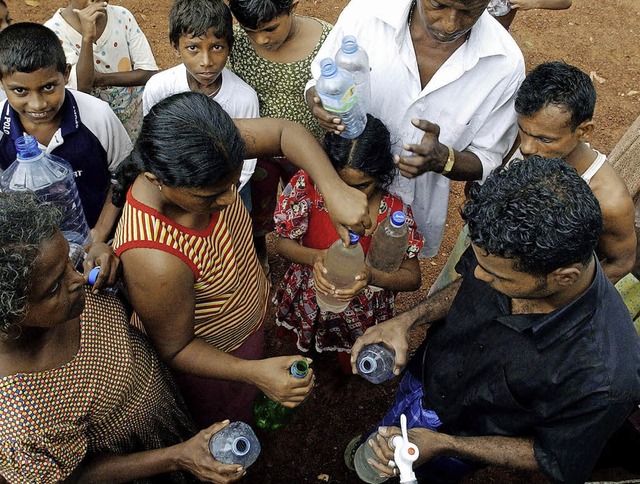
x,y
81,392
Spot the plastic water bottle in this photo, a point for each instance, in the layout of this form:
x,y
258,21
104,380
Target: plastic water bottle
x,y
353,58
343,264
389,243
375,363
51,179
235,444
272,415
366,472
93,277
338,94
499,8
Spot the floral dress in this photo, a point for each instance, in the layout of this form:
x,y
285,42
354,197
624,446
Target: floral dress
x,y
302,216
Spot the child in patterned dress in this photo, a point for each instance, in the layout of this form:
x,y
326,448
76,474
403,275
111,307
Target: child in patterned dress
x,y
273,51
110,55
305,232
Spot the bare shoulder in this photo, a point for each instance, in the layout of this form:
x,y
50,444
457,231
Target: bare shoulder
x,y
611,190
155,269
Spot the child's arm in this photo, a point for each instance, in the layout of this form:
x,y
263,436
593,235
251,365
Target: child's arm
x,y
136,77
541,4
293,251
106,222
89,17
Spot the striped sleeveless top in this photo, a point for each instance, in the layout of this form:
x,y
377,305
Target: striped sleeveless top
x,y
231,290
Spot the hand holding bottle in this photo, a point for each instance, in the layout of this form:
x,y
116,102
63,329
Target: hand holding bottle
x,y
102,255
323,285
272,376
193,456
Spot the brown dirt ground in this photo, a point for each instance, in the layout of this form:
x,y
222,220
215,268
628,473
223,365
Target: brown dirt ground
x,y
600,37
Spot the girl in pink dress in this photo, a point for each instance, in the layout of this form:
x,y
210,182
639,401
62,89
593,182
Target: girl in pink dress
x,y
305,232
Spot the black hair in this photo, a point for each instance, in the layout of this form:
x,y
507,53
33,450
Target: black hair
x,y
369,153
195,17
26,223
186,141
561,85
27,47
538,212
254,13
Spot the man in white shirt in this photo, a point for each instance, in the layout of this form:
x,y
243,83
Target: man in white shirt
x,y
443,79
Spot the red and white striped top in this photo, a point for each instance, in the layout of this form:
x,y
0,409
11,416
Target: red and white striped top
x,y
231,290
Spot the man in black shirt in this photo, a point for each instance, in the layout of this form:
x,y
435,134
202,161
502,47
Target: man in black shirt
x,y
531,360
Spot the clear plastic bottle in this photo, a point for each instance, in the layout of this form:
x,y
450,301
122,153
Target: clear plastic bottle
x,y
51,179
353,58
499,8
366,472
375,363
343,264
389,243
272,415
235,444
338,94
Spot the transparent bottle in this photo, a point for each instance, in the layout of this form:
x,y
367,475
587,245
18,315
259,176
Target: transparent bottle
x,y
366,472
353,58
389,243
499,8
272,415
343,264
51,179
375,363
339,96
235,444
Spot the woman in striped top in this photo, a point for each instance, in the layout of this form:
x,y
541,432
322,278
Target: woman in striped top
x,y
188,261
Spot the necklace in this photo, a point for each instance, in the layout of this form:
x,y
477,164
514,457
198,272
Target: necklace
x,y
413,6
213,94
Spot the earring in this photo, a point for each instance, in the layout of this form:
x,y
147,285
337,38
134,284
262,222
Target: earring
x,y
160,187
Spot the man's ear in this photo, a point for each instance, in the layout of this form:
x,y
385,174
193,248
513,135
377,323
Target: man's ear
x,y
585,129
175,49
566,276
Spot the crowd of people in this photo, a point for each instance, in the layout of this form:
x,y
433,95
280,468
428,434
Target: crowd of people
x,y
531,359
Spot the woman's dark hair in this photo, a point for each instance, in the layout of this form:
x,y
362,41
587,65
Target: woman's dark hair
x,y
195,17
27,47
369,153
26,223
538,212
254,13
186,141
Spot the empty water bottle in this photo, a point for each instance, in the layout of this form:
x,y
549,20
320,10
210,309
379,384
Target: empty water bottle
x,y
343,264
353,58
272,415
389,243
366,472
499,8
339,96
235,444
51,179
375,363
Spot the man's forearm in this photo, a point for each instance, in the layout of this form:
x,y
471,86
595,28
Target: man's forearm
x,y
512,452
436,306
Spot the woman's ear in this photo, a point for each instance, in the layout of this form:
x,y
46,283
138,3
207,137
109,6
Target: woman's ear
x,y
152,178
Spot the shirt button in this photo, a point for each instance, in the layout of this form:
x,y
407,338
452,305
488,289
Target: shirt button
x,y
443,396
481,347
459,374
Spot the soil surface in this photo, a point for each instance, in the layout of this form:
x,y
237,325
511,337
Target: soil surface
x,y
599,37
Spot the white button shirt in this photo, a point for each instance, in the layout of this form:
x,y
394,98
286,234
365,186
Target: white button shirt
x,y
470,97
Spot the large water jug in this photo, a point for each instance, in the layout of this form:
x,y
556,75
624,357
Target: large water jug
x,y
499,8
235,444
272,415
375,363
353,58
389,243
339,96
343,264
51,179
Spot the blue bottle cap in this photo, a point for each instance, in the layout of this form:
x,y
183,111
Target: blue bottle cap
x,y
349,44
353,238
27,147
328,68
398,218
93,275
299,369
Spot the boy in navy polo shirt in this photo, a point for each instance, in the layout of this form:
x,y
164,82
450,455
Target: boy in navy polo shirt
x,y
75,126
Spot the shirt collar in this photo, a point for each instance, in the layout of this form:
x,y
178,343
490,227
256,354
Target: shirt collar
x,y
548,328
12,126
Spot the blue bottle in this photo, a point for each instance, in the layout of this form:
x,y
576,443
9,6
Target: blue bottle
x,y
375,363
337,90
51,179
235,444
353,58
93,277
272,415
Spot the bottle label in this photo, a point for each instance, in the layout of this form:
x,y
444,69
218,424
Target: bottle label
x,y
343,104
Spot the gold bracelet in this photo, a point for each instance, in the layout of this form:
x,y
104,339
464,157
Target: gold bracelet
x,y
450,162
